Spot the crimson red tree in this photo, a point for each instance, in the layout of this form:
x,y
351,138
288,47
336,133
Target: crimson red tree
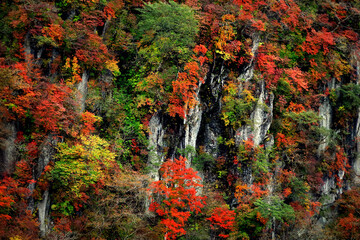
x,y
223,221
177,191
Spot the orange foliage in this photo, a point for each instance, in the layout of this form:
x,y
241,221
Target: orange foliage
x,y
297,78
284,141
259,25
55,32
50,112
27,94
15,218
88,119
184,90
286,176
266,63
350,226
315,40
248,194
74,69
286,192
222,219
178,188
340,163
289,12
296,108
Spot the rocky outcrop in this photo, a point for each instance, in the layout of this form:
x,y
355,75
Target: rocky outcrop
x,y
47,152
44,213
8,151
356,164
260,118
192,127
325,112
211,126
82,90
156,145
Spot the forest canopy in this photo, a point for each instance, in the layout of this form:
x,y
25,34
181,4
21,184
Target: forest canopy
x,y
187,119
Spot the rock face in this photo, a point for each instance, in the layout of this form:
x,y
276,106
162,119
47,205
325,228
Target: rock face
x,y
156,146
192,127
329,190
325,113
260,118
8,151
356,164
47,151
82,90
44,216
211,127
248,72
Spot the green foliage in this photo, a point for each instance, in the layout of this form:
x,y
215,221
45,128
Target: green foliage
x,y
203,160
123,122
274,208
262,164
294,39
77,168
248,225
199,159
349,97
237,107
167,32
65,208
332,137
300,190
304,117
73,4
283,88
187,151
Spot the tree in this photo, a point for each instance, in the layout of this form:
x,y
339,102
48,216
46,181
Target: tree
x,y
77,170
222,220
167,32
348,222
178,196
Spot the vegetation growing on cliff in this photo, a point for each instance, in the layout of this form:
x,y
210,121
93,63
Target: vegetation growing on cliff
x,y
264,92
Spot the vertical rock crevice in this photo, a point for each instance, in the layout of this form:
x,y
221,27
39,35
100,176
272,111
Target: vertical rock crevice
x,y
156,145
261,116
47,152
210,95
8,152
82,90
192,123
356,163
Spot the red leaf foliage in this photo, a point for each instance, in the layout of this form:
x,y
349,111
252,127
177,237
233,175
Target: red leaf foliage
x,y
177,187
223,220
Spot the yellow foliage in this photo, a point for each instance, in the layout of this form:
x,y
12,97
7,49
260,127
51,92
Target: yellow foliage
x,y
230,142
241,191
225,118
16,238
73,67
248,96
112,66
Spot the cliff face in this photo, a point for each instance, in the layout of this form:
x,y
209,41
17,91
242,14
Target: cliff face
x,y
260,97
203,127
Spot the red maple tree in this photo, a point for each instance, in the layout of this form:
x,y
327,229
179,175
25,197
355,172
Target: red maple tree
x,y
177,191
